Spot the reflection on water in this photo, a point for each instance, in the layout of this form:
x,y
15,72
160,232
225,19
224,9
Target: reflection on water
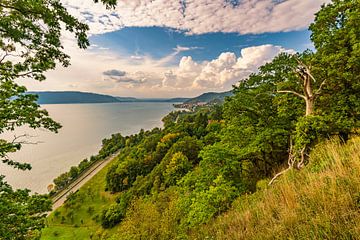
x,y
84,126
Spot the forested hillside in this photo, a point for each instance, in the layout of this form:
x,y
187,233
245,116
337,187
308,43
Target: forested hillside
x,y
167,183
208,97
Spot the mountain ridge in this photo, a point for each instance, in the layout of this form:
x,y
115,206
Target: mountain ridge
x,y
77,97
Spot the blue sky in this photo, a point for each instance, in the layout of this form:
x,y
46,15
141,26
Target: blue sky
x,y
159,42
171,48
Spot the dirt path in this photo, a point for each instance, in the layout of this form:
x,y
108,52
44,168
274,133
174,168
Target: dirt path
x,y
78,183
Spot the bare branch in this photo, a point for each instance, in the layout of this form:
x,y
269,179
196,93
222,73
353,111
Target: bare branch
x,y
278,175
301,163
291,162
293,92
16,138
320,88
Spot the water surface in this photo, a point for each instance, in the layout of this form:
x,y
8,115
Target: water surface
x,y
84,126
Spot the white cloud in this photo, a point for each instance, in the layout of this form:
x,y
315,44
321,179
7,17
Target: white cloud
x,y
222,72
199,16
104,71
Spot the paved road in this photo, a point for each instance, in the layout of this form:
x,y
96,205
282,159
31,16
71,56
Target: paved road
x,y
78,183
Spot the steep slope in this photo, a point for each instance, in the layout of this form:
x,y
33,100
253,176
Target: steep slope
x,y
320,202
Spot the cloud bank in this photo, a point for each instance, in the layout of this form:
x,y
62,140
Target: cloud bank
x,y
199,16
106,72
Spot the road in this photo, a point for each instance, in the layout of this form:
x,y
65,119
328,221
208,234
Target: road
x,y
60,198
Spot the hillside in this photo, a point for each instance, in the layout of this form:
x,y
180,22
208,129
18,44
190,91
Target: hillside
x,y
320,202
326,207
208,97
73,97
170,100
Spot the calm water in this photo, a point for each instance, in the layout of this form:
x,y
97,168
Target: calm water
x,y
84,126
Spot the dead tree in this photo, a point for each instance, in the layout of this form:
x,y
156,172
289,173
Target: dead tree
x,y
309,95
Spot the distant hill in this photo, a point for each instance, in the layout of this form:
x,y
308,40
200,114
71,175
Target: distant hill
x,y
73,97
172,100
209,97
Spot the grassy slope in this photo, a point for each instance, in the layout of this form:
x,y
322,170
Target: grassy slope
x,y
320,202
76,219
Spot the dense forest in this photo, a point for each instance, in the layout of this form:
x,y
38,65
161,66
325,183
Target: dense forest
x,y
179,182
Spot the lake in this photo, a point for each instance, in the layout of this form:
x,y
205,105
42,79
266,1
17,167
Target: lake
x,y
84,126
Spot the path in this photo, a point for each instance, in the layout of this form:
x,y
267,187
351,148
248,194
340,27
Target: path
x,y
60,198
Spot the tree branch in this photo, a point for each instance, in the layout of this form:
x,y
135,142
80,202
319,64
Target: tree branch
x,y
320,87
291,162
293,92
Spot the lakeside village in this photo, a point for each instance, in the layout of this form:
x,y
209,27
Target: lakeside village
x,y
191,106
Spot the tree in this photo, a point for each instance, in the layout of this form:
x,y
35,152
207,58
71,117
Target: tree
x,y
22,215
334,68
306,80
336,36
30,44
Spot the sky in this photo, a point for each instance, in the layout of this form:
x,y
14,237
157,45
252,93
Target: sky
x,y
179,48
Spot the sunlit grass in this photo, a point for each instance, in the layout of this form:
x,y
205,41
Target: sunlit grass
x,y
320,202
79,217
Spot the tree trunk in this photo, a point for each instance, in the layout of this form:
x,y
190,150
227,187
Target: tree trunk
x,y
309,106
309,95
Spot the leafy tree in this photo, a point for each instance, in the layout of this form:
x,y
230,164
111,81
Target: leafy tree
x,y
30,44
22,215
178,166
336,36
74,172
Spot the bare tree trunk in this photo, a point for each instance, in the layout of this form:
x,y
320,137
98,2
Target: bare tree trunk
x,y
309,106
308,91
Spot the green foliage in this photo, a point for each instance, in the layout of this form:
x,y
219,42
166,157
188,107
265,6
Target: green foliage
x,y
336,36
169,182
17,109
30,44
178,166
22,215
321,204
84,209
309,130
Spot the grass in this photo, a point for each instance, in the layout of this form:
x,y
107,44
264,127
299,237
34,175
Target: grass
x,y
320,202
79,217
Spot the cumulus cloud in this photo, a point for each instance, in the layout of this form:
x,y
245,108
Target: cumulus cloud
x,y
222,72
106,72
199,16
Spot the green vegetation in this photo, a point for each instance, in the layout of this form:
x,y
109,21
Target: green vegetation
x,y
22,215
109,146
321,202
30,33
209,97
205,175
79,217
